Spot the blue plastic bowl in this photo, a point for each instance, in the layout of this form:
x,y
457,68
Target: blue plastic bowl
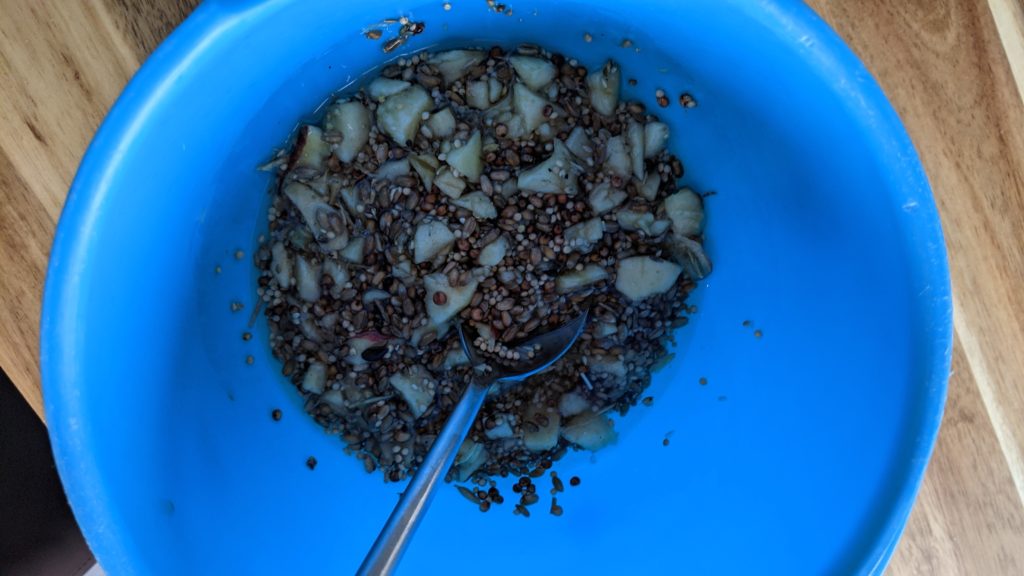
x,y
801,455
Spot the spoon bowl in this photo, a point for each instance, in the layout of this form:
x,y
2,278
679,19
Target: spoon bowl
x,y
549,347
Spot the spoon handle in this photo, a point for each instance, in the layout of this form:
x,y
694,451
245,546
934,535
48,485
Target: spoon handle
x,y
391,542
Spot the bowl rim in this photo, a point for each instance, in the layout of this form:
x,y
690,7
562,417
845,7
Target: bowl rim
x,y
82,211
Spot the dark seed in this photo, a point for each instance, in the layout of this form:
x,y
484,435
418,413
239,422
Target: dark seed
x,y
375,353
311,462
468,494
276,414
574,481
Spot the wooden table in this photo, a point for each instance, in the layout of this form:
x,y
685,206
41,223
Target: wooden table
x,y
954,69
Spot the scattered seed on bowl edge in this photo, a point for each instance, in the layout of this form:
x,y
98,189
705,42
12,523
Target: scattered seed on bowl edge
x,y
626,43
556,510
662,99
587,37
311,463
237,306
703,381
687,101
747,323
574,481
276,414
217,269
250,360
246,336
556,484
239,254
468,494
648,401
758,334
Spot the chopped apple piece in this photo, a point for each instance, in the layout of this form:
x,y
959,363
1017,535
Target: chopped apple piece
x,y
416,388
456,357
686,211
466,159
469,459
493,253
355,251
433,238
448,183
690,255
350,196
315,378
534,72
556,175
545,437
339,276
441,123
584,235
649,188
641,277
479,204
606,364
327,223
579,144
635,137
591,274
453,300
382,87
281,265
528,106
399,116
572,403
603,198
454,64
604,329
617,157
590,431
425,166
655,138
478,94
352,120
642,222
393,169
307,277
310,148
502,428
495,89
604,88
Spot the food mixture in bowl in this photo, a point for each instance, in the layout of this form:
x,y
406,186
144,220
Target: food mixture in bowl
x,y
505,191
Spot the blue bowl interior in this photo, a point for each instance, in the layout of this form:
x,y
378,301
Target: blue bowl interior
x,y
802,453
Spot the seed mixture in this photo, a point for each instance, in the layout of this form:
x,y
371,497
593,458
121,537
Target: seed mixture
x,y
508,191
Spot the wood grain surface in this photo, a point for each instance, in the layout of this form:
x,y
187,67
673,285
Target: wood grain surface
x,y
952,68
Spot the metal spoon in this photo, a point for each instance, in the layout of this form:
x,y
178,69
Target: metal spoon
x,y
391,542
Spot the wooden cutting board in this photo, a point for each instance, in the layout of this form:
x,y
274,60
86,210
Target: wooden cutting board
x,y
954,70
